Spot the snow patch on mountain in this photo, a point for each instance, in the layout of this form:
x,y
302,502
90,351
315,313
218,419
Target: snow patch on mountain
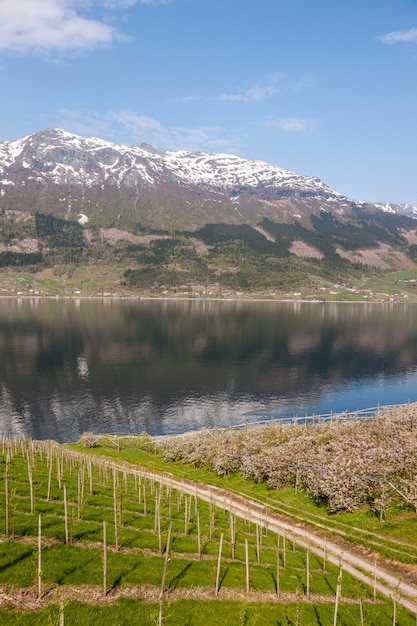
x,y
66,158
57,157
402,209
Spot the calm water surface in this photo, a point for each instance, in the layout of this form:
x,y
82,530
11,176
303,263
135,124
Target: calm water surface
x,y
70,366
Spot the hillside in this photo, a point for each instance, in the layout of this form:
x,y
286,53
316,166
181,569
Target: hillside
x,y
81,214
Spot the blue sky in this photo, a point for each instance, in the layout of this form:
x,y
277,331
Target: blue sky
x,y
325,88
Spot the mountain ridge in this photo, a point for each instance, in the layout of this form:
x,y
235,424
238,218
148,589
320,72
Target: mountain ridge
x,y
84,215
95,178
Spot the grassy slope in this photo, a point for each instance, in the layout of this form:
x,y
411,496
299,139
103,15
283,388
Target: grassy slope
x,y
98,279
359,528
79,563
218,260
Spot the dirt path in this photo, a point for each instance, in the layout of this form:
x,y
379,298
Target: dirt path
x,y
363,568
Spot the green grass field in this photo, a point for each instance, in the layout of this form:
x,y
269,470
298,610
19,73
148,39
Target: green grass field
x,y
137,577
395,537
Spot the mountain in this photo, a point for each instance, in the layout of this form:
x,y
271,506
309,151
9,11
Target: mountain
x,y
397,209
138,219
110,183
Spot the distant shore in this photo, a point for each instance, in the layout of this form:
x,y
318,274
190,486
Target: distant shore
x,y
178,298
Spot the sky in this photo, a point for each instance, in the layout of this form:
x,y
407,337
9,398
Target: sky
x,y
324,88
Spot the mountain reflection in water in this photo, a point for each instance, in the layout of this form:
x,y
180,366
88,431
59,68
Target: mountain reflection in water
x,y
70,366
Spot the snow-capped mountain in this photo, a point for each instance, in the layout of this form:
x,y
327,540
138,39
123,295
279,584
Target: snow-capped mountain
x,y
88,177
62,158
402,209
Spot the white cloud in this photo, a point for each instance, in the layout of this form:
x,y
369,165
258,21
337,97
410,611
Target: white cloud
x,y
291,124
44,26
401,36
257,93
155,2
254,94
123,4
127,126
274,87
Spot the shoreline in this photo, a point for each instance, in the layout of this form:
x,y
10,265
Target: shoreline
x,y
177,298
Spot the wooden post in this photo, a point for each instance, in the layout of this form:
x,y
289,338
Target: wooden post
x,y
247,566
361,611
218,564
198,535
308,573
375,580
164,573
211,519
30,477
159,528
58,471
90,476
78,496
336,606
258,552
66,514
48,497
338,591
39,557
340,572
278,572
170,503
6,489
104,558
293,535
232,533
155,515
116,536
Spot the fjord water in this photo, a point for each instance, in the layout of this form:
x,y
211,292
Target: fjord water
x,y
163,366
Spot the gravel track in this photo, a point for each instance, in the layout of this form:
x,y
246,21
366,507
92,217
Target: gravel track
x,y
363,568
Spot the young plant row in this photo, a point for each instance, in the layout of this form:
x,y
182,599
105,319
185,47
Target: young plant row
x,y
73,519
